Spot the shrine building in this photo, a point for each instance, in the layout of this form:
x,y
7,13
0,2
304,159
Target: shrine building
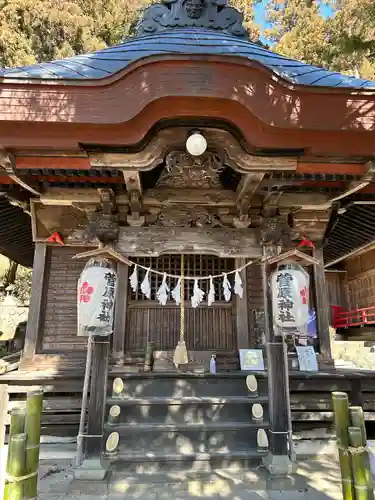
x,y
189,151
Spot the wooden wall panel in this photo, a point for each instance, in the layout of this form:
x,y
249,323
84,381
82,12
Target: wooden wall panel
x,y
206,328
60,319
337,289
361,280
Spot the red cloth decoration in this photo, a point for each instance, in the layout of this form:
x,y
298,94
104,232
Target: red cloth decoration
x,y
55,238
306,243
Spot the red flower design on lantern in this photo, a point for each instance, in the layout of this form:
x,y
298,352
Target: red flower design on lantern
x,y
303,293
85,292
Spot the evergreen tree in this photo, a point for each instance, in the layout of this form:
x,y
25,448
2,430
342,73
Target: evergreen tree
x,y
343,41
42,30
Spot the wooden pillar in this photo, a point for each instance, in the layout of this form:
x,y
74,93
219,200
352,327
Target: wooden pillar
x,y
35,319
4,399
92,469
121,309
322,306
242,313
278,461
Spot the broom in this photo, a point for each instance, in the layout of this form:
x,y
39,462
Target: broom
x,y
180,356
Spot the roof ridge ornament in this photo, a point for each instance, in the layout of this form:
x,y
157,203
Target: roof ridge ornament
x,y
209,14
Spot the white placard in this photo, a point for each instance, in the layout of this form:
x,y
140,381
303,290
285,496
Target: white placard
x,y
307,359
251,360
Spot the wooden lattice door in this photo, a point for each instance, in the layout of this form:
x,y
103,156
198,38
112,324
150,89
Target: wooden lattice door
x,y
206,328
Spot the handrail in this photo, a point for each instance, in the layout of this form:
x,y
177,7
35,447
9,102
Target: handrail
x,y
354,317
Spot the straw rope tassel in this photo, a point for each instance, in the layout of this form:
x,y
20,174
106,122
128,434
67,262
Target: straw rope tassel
x,y
180,356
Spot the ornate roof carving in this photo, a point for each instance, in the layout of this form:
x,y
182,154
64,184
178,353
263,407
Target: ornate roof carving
x,y
184,171
209,14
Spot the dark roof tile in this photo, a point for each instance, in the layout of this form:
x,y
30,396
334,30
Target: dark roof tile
x,y
111,60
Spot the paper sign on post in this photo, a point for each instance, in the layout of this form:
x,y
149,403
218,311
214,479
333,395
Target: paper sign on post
x,y
251,360
307,359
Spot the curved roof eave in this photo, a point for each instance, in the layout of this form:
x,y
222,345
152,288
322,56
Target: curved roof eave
x,y
189,41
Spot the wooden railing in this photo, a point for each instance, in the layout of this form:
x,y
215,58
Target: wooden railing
x,y
354,317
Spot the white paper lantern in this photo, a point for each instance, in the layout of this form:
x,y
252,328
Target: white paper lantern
x,y
196,144
96,295
290,296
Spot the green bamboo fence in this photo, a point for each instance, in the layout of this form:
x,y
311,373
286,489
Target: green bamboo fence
x,y
357,483
23,450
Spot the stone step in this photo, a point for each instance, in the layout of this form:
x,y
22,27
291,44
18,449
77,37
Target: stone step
x,y
182,387
184,410
188,400
188,439
197,426
155,462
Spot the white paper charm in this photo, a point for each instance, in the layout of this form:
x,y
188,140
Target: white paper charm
x,y
176,292
145,286
226,288
238,288
134,279
211,293
162,293
198,295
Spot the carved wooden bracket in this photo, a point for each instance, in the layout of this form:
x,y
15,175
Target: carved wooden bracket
x,y
246,190
134,188
103,223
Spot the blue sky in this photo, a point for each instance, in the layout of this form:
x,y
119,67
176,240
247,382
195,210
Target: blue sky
x,y
260,14
261,20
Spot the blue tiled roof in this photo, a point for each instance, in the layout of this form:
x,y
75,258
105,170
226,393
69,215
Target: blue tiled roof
x,y
109,61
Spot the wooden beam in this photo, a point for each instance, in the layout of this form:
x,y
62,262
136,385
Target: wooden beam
x,y
305,167
321,305
8,162
53,162
162,196
121,310
68,197
242,313
38,292
356,186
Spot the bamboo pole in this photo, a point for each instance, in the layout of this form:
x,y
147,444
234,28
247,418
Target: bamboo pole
x,y
34,405
17,425
359,464
4,399
17,421
15,467
358,420
342,423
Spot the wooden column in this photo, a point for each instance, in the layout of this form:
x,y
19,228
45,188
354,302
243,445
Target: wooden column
x,y
121,309
98,394
278,461
242,312
322,306
34,322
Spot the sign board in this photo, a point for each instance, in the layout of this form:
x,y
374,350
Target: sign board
x,y
307,359
251,360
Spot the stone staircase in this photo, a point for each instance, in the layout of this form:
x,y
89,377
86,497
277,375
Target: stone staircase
x,y
160,422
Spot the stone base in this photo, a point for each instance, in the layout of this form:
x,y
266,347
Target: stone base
x,y
279,465
90,470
